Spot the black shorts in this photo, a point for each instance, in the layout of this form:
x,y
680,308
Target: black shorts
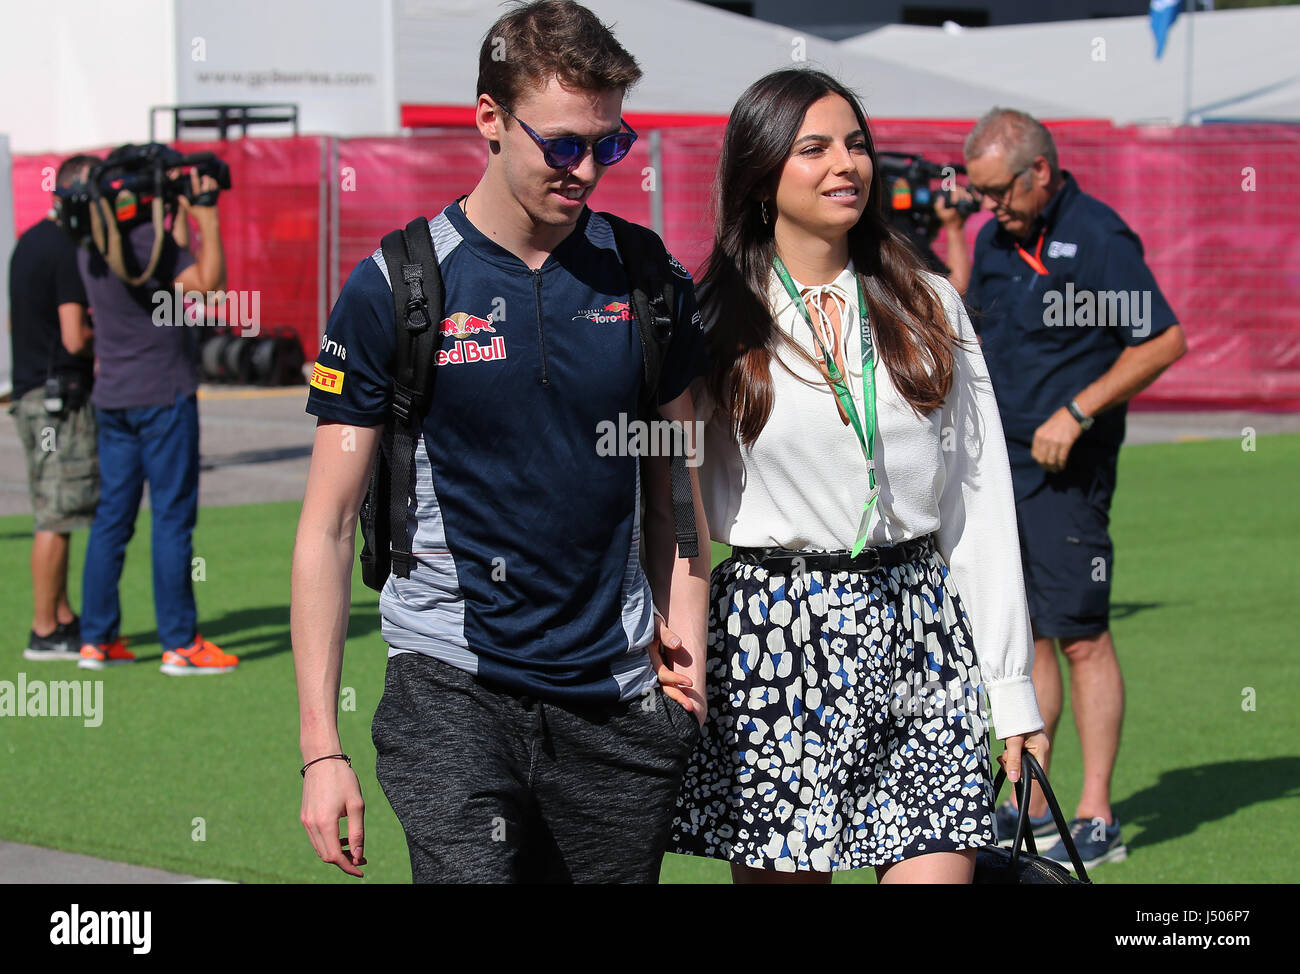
x,y
491,787
1066,550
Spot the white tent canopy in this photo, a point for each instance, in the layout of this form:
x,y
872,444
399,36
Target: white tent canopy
x,y
696,60
1244,64
349,75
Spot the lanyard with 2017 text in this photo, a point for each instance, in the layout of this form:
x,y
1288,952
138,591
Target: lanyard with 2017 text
x,y
866,438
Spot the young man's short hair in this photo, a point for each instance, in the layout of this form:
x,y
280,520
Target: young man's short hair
x,y
551,38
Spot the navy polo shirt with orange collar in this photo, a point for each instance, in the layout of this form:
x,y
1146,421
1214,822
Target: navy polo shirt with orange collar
x,y
1048,332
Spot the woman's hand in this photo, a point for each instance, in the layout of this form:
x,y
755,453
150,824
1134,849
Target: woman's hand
x,y
1035,742
665,643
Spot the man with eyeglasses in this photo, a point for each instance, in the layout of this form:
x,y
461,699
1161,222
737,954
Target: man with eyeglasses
x,y
538,710
1072,325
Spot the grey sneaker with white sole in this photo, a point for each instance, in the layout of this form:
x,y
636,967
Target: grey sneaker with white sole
x,y
1095,841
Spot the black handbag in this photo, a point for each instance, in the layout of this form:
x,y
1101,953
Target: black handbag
x,y
1015,866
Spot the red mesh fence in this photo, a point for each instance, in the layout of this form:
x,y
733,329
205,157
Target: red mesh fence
x,y
1226,256
386,182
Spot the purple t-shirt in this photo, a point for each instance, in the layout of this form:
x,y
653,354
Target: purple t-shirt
x,y
142,362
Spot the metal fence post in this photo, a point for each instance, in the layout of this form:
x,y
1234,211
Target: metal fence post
x,y
656,174
322,244
335,176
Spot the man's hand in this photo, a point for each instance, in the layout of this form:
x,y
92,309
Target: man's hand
x,y
663,652
1054,439
1036,743
200,185
330,792
209,273
948,215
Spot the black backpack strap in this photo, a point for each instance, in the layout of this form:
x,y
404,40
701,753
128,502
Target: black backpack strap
x,y
653,297
416,281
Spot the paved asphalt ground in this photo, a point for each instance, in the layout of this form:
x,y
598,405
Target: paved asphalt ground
x,y
256,443
256,446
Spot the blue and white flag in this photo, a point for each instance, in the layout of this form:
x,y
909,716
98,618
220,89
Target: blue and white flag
x,y
1163,15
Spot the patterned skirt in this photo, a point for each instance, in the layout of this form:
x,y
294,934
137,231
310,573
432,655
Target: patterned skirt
x,y
846,726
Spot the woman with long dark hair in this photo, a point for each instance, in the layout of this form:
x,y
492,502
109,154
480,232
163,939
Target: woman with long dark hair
x,y
853,457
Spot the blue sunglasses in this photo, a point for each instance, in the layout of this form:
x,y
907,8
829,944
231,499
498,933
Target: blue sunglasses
x,y
568,150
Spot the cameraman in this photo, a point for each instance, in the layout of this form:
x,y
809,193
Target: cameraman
x,y
53,369
146,406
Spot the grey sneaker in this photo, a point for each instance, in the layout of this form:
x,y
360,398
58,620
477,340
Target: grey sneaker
x,y
1004,825
1095,841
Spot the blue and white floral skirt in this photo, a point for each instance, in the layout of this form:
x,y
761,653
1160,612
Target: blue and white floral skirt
x,y
846,726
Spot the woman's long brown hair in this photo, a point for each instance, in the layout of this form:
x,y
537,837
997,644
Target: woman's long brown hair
x,y
914,339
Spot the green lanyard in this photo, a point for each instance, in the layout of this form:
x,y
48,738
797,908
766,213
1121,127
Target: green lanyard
x,y
867,438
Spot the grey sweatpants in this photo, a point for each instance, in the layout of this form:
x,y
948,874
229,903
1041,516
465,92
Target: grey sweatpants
x,y
491,787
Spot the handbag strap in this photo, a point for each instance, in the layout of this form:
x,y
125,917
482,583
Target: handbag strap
x,y
1023,832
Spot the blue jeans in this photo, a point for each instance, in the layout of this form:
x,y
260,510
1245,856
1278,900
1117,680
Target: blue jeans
x,y
159,444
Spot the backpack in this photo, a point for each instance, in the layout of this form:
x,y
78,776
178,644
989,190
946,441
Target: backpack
x,y
418,309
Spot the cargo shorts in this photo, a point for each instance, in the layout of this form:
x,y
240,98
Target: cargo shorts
x,y
62,462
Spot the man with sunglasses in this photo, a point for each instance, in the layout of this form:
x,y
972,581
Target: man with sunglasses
x,y
537,711
1065,355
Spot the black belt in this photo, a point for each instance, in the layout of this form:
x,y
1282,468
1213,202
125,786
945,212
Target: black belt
x,y
782,561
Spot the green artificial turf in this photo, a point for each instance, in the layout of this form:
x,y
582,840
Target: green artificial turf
x,y
199,776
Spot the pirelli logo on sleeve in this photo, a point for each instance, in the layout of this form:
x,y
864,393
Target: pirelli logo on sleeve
x,y
326,379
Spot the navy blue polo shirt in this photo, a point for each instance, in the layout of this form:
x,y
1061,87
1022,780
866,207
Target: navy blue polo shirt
x,y
526,538
1048,336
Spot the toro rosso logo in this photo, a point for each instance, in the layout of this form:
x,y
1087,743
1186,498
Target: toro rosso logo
x,y
610,313
461,326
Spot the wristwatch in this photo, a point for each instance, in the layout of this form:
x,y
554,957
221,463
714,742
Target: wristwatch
x,y
1085,421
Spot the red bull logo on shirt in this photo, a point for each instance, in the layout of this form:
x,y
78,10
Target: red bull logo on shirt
x,y
462,352
610,313
462,325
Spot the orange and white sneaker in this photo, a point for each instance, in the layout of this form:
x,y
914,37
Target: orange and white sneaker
x,y
97,656
197,658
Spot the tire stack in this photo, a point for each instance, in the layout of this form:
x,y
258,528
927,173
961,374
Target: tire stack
x,y
270,359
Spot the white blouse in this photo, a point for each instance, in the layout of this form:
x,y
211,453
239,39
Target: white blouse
x,y
802,483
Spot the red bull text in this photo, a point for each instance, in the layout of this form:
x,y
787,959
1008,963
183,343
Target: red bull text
x,y
462,352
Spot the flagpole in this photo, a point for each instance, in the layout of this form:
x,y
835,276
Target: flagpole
x,y
1190,7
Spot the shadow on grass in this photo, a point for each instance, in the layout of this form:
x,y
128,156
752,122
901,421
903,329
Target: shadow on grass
x,y
1126,610
256,633
1186,798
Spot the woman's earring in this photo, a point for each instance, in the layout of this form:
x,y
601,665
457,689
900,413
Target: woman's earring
x,y
762,208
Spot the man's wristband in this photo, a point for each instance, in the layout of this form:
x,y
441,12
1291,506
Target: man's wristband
x,y
1085,421
343,757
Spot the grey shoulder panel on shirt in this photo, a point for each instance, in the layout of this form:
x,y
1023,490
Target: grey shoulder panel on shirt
x,y
445,239
599,233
